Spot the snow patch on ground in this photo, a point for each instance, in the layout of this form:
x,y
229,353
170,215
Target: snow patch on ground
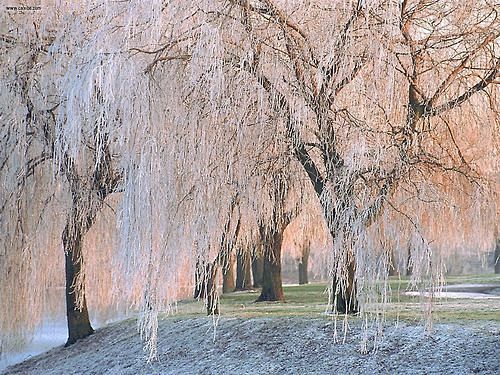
x,y
469,291
275,346
454,295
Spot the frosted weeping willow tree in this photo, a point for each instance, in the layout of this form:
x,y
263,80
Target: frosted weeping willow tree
x,y
383,110
88,114
378,102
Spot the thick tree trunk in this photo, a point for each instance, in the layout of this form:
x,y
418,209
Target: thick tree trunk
x,y
344,291
497,256
88,195
77,318
257,269
228,285
243,271
272,288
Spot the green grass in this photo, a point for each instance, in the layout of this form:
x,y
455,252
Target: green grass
x,y
489,278
311,301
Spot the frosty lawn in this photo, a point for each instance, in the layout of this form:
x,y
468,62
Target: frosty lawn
x,y
294,337
275,345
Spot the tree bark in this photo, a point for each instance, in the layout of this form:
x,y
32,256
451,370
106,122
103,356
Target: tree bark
x,y
344,278
78,320
243,271
272,288
257,269
228,284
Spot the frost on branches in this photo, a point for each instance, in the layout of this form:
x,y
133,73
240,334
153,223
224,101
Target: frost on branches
x,y
144,139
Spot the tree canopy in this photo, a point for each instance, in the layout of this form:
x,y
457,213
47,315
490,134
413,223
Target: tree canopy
x,y
142,123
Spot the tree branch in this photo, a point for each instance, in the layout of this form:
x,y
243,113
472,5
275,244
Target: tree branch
x,y
481,85
451,77
298,146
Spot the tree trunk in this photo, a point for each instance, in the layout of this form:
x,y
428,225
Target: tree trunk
x,y
344,291
303,264
409,263
497,256
257,269
272,288
303,277
243,271
228,285
213,296
200,279
392,271
78,319
88,195
206,286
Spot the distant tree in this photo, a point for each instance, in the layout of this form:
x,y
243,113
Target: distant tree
x,y
271,235
308,231
303,262
223,261
228,278
497,256
272,287
257,266
243,270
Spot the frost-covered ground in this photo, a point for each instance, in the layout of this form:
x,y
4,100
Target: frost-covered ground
x,y
470,291
275,346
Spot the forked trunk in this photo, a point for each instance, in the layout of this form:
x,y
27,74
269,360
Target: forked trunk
x,y
77,317
87,198
243,271
272,288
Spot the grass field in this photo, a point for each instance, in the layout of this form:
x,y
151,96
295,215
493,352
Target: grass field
x,y
312,300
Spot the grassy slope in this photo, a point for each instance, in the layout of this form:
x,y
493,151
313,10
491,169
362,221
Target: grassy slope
x,y
275,345
290,337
